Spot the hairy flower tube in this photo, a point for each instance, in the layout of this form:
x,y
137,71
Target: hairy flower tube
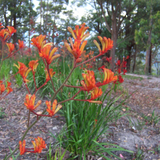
x,y
52,111
39,144
9,89
89,80
2,87
79,33
23,71
51,74
76,48
22,147
11,30
39,42
10,47
108,77
21,44
107,44
33,65
5,33
47,54
29,102
95,93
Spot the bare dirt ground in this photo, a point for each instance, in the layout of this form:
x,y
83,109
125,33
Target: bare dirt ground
x,y
138,133
141,132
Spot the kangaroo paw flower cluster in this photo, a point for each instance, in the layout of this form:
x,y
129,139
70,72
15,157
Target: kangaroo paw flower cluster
x,y
38,144
48,53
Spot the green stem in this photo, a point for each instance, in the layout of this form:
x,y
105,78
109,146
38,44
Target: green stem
x,y
63,82
29,110
28,118
25,134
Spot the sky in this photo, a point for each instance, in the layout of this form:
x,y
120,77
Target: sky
x,y
78,11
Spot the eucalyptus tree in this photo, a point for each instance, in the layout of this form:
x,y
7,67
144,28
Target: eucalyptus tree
x,y
117,11
147,34
67,20
50,11
113,13
95,21
15,13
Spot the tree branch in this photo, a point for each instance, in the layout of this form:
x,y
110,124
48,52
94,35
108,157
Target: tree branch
x,y
101,6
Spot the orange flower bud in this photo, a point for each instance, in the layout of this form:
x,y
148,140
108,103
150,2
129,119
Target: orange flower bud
x,y
21,44
89,80
23,71
54,109
51,74
107,44
2,87
38,145
10,46
30,100
33,65
22,147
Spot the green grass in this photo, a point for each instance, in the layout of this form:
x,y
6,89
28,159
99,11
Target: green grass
x,y
132,77
82,131
6,68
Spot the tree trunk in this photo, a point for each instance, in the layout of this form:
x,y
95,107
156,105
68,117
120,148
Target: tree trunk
x,y
53,31
5,17
150,60
134,60
129,47
114,38
148,51
15,26
130,43
129,63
